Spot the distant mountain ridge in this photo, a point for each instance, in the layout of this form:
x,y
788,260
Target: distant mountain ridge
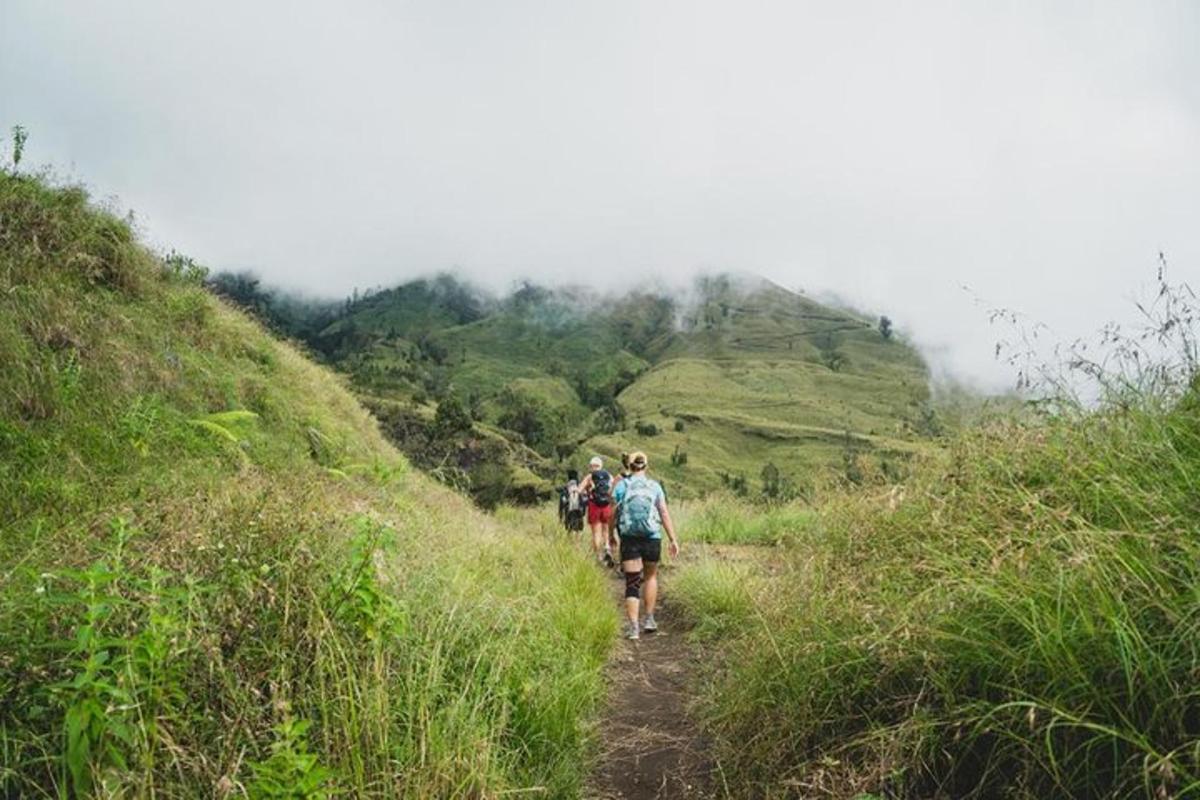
x,y
733,381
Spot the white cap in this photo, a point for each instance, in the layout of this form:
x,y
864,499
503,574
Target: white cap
x,y
596,462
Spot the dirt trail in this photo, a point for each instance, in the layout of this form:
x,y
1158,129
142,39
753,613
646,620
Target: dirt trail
x,y
652,748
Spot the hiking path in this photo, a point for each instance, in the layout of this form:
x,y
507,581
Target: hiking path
x,y
651,745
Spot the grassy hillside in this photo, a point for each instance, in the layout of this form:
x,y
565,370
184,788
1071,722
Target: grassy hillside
x,y
217,577
1019,619
714,386
762,375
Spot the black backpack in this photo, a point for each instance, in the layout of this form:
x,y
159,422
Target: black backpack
x,y
601,487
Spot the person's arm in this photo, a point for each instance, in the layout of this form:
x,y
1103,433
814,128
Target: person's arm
x,y
668,526
585,485
614,540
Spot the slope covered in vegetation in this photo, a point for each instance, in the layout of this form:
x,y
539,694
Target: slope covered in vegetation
x,y
218,579
1019,619
716,386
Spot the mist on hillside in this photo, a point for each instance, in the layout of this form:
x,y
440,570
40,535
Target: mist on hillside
x,y
1039,157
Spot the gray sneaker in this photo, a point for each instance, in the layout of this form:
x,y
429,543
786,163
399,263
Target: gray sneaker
x,y
649,625
631,630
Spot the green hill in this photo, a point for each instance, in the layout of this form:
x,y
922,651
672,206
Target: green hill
x,y
715,386
1017,619
217,578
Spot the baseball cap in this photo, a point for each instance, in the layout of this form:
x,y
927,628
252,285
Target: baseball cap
x,y
596,462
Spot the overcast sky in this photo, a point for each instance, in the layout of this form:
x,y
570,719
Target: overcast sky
x,y
888,152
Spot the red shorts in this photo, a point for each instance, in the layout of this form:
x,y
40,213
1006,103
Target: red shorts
x,y
598,514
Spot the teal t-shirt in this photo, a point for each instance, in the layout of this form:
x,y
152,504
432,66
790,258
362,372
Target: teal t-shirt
x,y
636,489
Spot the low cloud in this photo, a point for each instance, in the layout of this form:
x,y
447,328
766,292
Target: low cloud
x,y
891,154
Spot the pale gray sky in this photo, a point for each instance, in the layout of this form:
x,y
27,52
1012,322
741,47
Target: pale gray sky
x,y
887,152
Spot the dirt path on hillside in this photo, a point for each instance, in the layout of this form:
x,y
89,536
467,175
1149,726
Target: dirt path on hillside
x,y
652,748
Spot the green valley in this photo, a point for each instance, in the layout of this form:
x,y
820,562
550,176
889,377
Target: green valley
x,y
717,384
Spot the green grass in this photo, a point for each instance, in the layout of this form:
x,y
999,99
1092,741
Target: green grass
x,y
722,519
1020,620
216,576
721,596
746,368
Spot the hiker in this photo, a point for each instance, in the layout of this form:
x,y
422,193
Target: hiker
x,y
598,485
614,528
572,503
642,510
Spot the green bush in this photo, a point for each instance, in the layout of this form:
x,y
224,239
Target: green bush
x,y
1021,620
451,417
206,560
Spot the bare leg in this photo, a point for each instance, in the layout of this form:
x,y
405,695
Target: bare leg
x,y
631,603
650,586
598,534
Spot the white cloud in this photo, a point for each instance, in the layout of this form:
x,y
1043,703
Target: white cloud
x,y
889,154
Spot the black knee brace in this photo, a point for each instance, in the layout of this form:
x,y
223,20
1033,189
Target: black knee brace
x,y
633,584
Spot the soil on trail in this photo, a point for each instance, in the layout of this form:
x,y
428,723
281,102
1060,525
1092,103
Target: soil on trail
x,y
651,746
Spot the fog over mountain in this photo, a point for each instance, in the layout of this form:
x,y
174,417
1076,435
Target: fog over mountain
x,y
889,154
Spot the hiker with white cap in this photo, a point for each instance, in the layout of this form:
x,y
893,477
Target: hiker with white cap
x,y
642,509
598,484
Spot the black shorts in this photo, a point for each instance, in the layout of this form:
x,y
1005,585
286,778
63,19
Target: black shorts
x,y
635,547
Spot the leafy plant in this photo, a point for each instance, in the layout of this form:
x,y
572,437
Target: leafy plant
x,y
97,725
291,771
451,417
679,457
225,425
646,428
19,137
184,269
358,599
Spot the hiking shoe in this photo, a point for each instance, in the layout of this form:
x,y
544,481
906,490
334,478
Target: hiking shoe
x,y
649,625
608,559
631,630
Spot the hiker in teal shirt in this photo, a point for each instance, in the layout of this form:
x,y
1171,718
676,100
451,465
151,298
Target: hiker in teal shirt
x,y
642,512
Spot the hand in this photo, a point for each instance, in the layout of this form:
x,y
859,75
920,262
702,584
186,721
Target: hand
x,y
673,548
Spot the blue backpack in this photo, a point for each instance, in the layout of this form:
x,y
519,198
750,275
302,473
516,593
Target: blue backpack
x,y
639,507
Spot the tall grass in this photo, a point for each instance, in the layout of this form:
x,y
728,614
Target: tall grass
x,y
217,579
725,519
1020,622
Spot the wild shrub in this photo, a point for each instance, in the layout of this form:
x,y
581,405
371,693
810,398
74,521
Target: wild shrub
x,y
184,269
291,771
646,428
778,487
679,457
451,417
1019,621
885,328
735,482
206,561
19,137
609,418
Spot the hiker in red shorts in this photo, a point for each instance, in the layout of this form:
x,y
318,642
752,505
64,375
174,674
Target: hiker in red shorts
x,y
598,484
